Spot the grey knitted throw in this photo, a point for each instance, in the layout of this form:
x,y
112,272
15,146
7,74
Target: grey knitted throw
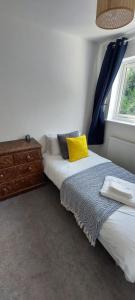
x,y
80,194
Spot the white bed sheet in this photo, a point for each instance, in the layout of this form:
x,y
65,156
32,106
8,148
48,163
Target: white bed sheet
x,y
118,232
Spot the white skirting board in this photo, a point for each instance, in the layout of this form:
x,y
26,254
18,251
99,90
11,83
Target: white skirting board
x,y
122,152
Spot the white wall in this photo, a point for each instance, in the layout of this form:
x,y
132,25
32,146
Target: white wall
x,y
114,129
43,80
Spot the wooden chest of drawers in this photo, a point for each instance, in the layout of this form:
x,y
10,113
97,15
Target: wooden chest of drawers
x,y
21,167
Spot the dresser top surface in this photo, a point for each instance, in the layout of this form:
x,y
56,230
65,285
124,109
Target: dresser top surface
x,y
18,145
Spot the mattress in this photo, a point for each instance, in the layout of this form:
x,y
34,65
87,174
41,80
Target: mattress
x,y
118,232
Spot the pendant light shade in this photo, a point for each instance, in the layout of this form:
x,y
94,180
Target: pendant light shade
x,y
113,14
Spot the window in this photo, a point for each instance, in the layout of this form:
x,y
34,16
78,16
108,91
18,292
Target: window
x,y
122,102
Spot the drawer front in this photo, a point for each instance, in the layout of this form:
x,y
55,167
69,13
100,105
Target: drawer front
x,y
29,168
6,161
27,182
19,185
26,156
6,189
20,171
7,174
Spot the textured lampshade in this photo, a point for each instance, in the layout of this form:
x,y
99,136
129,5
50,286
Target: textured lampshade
x,y
113,14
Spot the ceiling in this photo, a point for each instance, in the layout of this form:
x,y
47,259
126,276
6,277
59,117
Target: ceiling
x,y
71,16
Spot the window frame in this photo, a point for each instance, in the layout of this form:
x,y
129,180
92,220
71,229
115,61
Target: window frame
x,y
116,93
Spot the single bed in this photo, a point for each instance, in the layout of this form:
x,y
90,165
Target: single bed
x,y
118,232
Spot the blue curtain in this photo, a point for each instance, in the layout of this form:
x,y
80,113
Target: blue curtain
x,y
110,67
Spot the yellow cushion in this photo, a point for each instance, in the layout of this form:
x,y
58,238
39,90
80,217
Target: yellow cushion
x,y
77,148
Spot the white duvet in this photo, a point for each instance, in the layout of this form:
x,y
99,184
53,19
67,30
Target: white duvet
x,y
118,232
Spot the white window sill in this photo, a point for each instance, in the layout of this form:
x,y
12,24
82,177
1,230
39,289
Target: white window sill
x,y
123,122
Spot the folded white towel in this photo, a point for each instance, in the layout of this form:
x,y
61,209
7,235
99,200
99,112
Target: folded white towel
x,y
119,190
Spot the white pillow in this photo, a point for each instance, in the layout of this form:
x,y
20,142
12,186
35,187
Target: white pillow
x,y
52,145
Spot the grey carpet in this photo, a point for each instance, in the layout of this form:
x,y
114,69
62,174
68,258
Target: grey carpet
x,y
45,256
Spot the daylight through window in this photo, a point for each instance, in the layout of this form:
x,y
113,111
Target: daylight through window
x,y
122,103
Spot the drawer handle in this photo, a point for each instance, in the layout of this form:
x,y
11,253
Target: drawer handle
x,y
4,189
30,168
28,156
1,175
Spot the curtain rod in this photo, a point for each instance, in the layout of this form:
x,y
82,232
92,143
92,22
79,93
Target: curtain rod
x,y
121,36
